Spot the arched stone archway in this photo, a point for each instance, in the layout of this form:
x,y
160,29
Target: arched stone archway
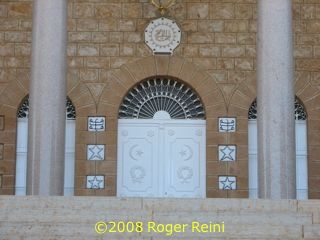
x,y
10,100
22,142
161,141
120,81
123,79
300,116
309,94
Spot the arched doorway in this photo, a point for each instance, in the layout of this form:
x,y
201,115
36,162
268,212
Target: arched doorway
x,y
300,115
161,141
22,145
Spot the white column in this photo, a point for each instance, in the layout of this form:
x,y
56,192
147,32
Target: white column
x,y
276,139
46,135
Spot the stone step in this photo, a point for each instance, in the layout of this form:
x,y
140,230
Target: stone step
x,y
86,230
93,215
311,231
77,203
75,218
214,205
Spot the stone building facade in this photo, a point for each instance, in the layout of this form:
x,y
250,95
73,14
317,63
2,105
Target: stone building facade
x,y
108,56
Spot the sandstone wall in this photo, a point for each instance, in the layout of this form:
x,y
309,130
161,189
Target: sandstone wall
x,y
107,56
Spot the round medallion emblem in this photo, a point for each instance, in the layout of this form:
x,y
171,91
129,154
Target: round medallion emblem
x,y
137,174
185,174
162,35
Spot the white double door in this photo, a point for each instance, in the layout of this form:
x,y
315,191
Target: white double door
x,y
161,158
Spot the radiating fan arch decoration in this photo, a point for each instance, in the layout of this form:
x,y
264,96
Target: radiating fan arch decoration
x,y
23,109
158,94
300,112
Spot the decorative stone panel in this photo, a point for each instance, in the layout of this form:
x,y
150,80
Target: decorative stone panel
x,y
227,124
227,153
96,124
95,152
227,182
162,35
95,182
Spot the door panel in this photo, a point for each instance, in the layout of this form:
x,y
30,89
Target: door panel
x,y
137,153
184,151
161,158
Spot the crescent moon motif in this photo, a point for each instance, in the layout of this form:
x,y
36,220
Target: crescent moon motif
x,y
135,153
186,154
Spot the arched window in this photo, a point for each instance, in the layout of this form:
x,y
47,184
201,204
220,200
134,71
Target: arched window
x,y
22,141
161,94
301,150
